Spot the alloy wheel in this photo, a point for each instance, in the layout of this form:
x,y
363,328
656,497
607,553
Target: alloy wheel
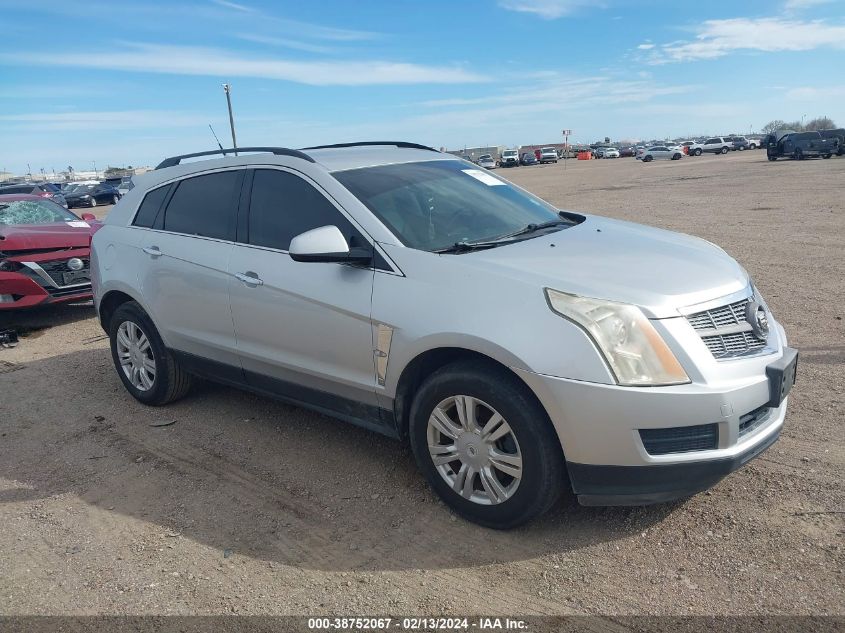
x,y
136,356
474,450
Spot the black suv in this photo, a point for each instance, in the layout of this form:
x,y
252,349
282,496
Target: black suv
x,y
43,190
800,145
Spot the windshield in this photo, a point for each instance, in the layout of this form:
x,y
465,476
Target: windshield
x,y
548,150
85,188
434,205
509,152
33,212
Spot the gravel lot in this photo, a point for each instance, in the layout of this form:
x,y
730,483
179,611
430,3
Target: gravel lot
x,y
245,505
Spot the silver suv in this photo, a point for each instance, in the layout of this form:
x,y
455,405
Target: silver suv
x,y
521,350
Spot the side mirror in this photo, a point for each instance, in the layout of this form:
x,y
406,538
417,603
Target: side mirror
x,y
326,244
89,216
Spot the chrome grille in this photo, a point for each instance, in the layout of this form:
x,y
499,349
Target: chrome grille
x,y
725,331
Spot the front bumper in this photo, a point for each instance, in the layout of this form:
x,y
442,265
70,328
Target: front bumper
x,y
36,283
599,427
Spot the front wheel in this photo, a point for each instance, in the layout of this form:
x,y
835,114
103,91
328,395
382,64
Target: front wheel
x,y
486,445
827,155
114,199
93,202
773,158
647,159
798,154
145,366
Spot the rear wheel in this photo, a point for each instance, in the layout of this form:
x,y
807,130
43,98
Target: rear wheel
x,y
725,150
647,159
827,155
486,445
145,366
697,152
773,158
798,154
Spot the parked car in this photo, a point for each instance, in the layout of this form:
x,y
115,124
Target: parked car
x,y
510,158
424,300
548,155
528,158
44,252
611,152
124,186
662,152
42,190
839,135
486,161
738,143
800,145
626,152
92,195
712,145
639,152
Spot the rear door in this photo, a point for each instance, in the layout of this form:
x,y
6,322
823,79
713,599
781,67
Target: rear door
x,y
303,329
184,258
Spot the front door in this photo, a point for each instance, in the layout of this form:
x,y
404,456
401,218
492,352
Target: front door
x,y
303,329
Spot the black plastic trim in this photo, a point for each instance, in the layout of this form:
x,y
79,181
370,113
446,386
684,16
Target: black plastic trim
x,y
598,485
402,144
368,416
278,151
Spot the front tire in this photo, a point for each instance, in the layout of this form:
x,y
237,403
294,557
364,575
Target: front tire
x,y
93,202
486,445
115,199
145,366
647,159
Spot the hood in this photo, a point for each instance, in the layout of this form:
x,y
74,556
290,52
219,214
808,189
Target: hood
x,y
659,271
37,236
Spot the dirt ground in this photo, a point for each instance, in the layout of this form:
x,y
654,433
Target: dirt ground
x,y
245,505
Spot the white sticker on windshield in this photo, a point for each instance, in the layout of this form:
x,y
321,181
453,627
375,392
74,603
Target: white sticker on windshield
x,y
483,176
79,224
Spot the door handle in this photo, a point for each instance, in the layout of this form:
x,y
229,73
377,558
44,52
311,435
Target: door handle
x,y
249,278
152,250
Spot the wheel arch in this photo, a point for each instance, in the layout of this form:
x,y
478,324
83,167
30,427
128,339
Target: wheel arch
x,y
112,300
429,361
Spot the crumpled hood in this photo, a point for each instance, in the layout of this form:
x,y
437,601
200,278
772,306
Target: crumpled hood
x,y
657,270
56,235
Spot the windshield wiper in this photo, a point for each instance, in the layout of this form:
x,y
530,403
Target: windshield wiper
x,y
466,247
534,228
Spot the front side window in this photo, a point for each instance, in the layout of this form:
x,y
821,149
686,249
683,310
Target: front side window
x,y
435,204
205,205
17,212
283,205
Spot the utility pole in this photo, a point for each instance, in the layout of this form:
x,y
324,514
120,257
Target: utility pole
x,y
228,90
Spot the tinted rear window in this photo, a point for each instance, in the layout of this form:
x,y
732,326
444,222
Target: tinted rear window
x,y
205,205
150,206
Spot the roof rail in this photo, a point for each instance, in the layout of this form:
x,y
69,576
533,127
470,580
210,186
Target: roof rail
x,y
278,151
403,144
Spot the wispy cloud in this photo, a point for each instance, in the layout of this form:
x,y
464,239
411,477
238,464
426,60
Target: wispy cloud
x,y
215,62
546,9
113,120
717,38
233,5
284,42
796,5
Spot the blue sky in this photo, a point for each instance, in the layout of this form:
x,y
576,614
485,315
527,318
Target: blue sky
x,y
129,83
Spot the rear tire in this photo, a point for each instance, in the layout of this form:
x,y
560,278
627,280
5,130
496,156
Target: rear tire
x,y
647,159
725,150
524,435
697,152
773,158
169,381
827,155
798,154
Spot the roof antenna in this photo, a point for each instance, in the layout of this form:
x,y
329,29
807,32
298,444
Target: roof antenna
x,y
217,139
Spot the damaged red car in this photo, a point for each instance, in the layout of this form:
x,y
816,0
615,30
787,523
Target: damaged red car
x,y
44,252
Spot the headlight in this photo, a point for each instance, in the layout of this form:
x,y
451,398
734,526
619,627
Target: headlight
x,y
635,352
